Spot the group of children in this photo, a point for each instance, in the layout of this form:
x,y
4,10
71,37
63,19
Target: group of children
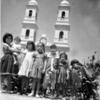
x,y
32,72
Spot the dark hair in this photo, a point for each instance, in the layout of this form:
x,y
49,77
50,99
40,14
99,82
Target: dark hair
x,y
63,53
33,45
42,44
97,64
75,61
53,46
6,36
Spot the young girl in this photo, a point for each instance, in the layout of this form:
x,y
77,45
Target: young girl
x,y
76,75
26,67
38,70
50,74
7,61
63,72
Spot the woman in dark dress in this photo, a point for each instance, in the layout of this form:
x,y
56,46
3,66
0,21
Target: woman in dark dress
x,y
7,61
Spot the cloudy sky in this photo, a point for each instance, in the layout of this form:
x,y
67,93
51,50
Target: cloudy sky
x,y
84,37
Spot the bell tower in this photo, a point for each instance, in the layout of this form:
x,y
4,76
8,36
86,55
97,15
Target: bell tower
x,y
29,24
62,26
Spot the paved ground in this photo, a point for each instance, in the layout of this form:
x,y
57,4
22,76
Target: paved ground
x,y
18,97
4,96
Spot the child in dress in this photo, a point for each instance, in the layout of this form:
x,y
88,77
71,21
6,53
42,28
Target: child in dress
x,y
50,74
7,61
17,44
26,66
76,75
38,70
63,73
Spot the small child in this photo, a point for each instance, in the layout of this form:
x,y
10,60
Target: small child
x,y
17,46
76,75
50,74
63,72
38,70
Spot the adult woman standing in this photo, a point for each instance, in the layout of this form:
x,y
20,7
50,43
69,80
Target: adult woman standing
x,y
7,61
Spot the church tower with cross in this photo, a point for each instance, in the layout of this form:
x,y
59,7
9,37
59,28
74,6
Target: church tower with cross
x,y
29,24
62,26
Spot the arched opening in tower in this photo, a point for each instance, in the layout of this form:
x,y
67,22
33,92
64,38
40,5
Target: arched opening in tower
x,y
63,14
30,13
61,34
27,33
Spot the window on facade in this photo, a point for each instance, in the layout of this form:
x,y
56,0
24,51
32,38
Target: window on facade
x,y
30,13
61,34
63,14
27,33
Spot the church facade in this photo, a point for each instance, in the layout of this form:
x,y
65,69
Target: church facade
x,y
62,26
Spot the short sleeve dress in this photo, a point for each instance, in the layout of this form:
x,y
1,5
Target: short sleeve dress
x,y
26,64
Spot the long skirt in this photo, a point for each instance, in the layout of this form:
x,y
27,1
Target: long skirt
x,y
62,76
7,63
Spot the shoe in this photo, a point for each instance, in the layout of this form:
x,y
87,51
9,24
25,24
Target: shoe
x,y
0,91
31,94
37,96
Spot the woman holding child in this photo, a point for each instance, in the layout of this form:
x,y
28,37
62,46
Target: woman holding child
x,y
7,61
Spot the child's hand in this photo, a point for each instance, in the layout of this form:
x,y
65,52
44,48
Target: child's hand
x,y
34,55
29,74
43,71
18,51
45,57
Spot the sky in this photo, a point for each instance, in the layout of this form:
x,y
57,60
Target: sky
x,y
84,36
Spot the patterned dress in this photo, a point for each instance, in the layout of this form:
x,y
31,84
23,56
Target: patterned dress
x,y
50,74
63,73
38,66
75,81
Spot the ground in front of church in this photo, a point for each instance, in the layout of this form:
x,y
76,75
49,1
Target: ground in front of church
x,y
4,96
